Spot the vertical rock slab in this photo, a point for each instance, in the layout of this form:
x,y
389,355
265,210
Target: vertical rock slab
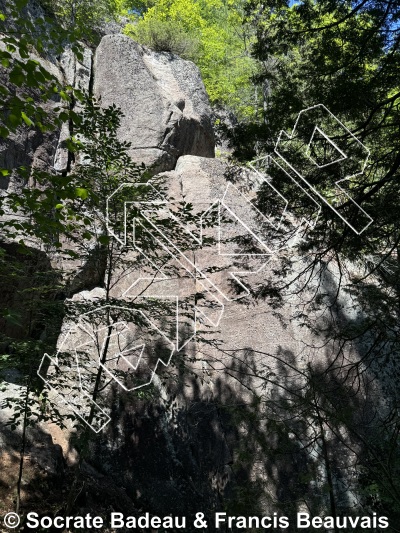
x,y
166,108
77,74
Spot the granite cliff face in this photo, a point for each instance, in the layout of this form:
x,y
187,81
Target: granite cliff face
x,y
166,108
202,440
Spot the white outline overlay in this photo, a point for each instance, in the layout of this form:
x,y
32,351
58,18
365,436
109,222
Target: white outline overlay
x,y
347,178
149,208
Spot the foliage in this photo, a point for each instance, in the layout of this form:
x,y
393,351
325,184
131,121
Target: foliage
x,y
346,59
27,88
165,36
317,52
344,55
83,16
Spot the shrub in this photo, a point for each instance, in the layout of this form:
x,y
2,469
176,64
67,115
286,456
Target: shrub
x,y
165,36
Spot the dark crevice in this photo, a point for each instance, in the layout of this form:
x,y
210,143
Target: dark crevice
x,y
91,76
71,157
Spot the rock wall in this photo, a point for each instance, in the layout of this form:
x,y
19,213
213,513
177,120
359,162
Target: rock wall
x,y
167,113
165,106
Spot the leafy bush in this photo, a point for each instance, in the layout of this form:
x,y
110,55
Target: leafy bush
x,y
165,36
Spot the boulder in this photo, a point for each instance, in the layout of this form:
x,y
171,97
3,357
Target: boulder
x,y
165,105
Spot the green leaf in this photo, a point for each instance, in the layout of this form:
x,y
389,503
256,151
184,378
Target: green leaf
x,y
20,4
64,96
64,116
81,193
14,120
13,317
17,77
4,132
104,239
26,119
